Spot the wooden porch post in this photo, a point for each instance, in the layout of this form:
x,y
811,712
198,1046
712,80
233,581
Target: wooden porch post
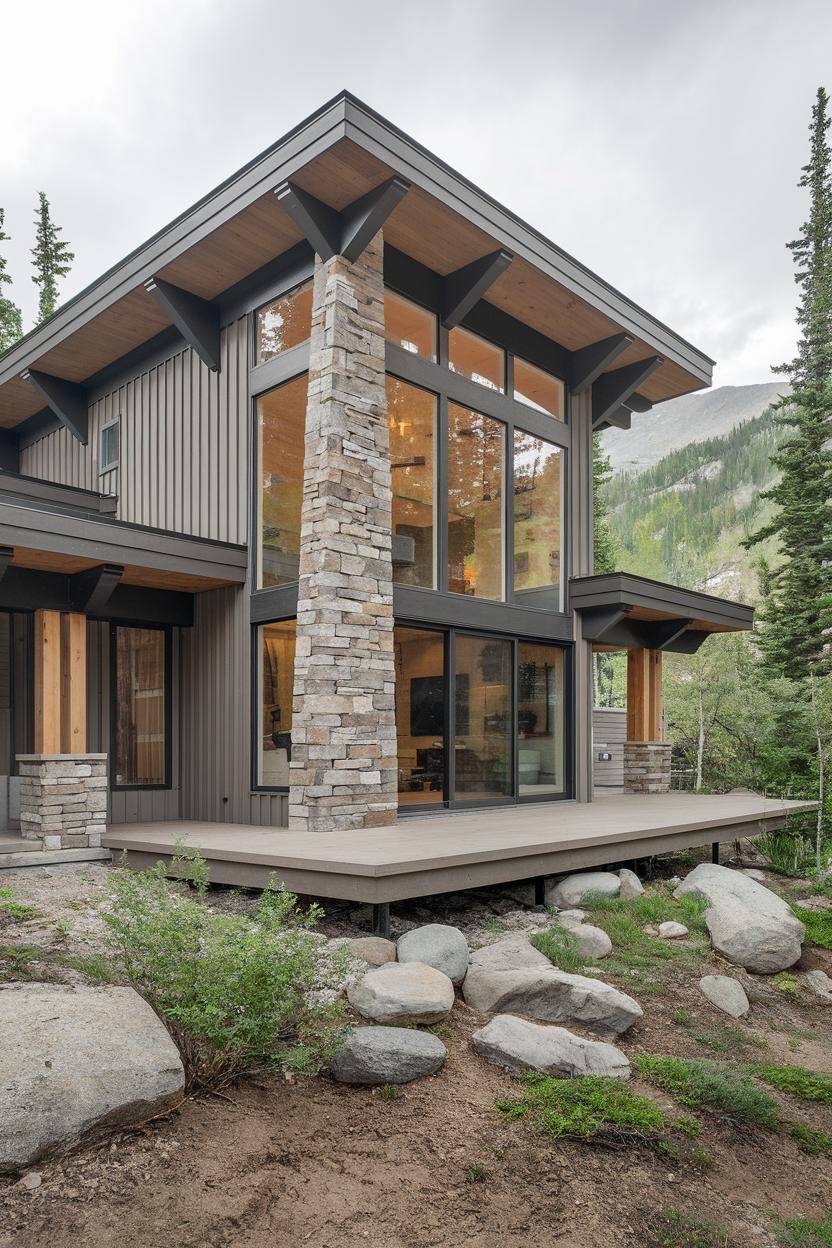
x,y
644,695
47,682
74,684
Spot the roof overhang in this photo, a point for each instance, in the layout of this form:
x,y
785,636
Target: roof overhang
x,y
340,154
621,611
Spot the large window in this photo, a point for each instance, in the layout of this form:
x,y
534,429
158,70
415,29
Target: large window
x,y
281,420
411,415
140,672
410,327
479,718
276,677
537,521
476,467
285,322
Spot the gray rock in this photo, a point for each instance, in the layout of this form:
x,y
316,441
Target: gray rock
x,y
437,945
72,1059
570,918
509,954
726,994
519,1045
552,996
403,992
378,1055
820,984
592,942
754,873
374,950
631,885
672,931
570,891
748,924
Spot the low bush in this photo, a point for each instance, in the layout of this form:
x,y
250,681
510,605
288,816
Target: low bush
x,y
702,1085
235,992
592,1109
672,1229
807,1084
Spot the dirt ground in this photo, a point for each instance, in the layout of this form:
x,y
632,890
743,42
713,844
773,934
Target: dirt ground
x,y
307,1161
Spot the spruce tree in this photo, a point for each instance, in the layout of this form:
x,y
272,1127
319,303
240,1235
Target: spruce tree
x,y
604,544
11,323
796,615
51,258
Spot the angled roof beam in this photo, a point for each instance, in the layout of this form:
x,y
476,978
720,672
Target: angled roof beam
x,y
613,389
619,419
92,589
66,399
467,285
638,403
197,320
346,233
587,364
598,621
6,556
665,633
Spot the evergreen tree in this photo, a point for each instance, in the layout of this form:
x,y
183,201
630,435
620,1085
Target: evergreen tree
x,y
604,544
51,258
11,323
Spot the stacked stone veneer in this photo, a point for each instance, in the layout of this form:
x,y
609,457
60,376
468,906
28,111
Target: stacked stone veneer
x,y
63,799
343,770
646,766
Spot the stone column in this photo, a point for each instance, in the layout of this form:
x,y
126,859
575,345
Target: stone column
x,y
343,770
646,766
63,799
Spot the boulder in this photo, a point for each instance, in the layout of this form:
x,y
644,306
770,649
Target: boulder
x,y
570,918
519,1045
73,1059
570,891
671,931
374,950
631,885
437,945
403,992
726,994
820,984
508,955
748,923
592,942
378,1055
552,996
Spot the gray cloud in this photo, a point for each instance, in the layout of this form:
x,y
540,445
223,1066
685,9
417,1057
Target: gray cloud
x,y
659,142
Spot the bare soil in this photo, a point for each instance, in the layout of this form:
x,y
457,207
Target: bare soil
x,y
307,1161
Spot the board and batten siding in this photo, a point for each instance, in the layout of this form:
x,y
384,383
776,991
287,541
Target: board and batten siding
x,y
216,716
184,431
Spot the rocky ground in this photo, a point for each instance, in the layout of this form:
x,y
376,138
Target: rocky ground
x,y
432,1162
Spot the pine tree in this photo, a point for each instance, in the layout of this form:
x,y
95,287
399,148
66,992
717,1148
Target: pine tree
x,y
796,616
51,258
11,323
604,544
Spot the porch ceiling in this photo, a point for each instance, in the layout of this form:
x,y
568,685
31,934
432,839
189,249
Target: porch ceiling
x,y
337,155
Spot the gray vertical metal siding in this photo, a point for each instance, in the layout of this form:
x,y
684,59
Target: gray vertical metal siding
x,y
216,716
184,445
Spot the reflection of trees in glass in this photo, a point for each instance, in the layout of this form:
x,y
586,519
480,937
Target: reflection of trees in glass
x,y
476,456
537,510
284,323
281,419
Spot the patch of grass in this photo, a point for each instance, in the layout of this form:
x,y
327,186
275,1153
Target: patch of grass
x,y
388,1092
21,963
96,966
795,1080
442,1030
727,1038
804,1233
477,1174
12,911
818,924
786,983
810,1140
673,1229
592,1109
703,1085
561,948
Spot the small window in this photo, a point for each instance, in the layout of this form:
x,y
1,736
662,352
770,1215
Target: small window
x,y
276,684
538,389
108,447
140,710
284,323
473,357
410,327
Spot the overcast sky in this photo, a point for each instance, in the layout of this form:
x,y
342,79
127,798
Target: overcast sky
x,y
658,141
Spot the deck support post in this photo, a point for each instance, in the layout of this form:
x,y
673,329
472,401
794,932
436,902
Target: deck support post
x,y
381,920
540,890
715,853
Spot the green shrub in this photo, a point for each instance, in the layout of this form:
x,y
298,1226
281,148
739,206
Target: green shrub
x,y
235,992
809,1140
672,1229
804,1233
818,924
477,1174
704,1085
589,1108
806,1084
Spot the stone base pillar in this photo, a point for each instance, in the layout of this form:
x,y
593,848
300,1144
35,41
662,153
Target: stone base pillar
x,y
343,769
646,766
63,799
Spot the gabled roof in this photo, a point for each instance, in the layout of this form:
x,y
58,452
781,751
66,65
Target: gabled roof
x,y
338,154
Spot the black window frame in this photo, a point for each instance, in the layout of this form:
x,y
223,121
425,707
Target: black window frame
x,y
167,631
111,464
256,706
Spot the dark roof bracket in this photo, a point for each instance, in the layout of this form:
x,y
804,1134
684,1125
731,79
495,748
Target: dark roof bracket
x,y
344,233
197,320
467,285
587,364
91,589
613,389
6,556
66,399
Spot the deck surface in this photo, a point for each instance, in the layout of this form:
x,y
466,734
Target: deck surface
x,y
419,855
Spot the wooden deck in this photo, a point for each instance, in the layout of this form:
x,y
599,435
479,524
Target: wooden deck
x,y
429,854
